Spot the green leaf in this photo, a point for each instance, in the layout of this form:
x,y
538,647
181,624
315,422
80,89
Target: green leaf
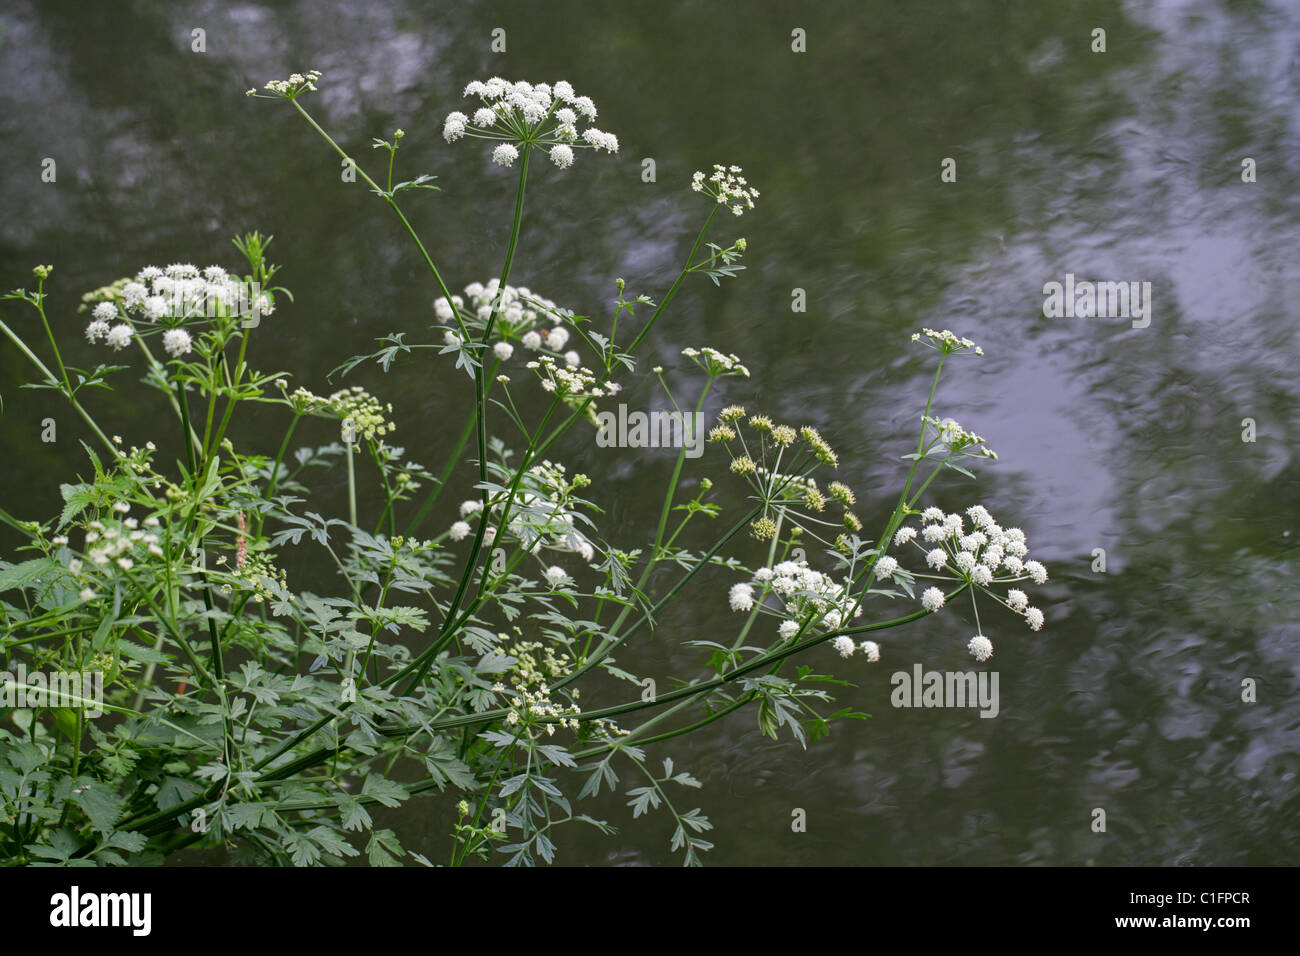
x,y
102,806
384,791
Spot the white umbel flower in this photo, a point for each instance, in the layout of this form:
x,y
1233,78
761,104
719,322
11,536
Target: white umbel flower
x,y
1036,571
1034,618
844,645
453,127
1017,600
119,336
562,155
871,649
177,342
505,154
741,597
788,629
459,531
503,350
886,566
937,558
932,599
556,575
980,647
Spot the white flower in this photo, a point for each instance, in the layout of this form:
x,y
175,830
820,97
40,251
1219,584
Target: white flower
x,y
126,564
871,649
844,645
87,594
979,514
74,566
96,330
562,156
1036,571
980,647
741,597
1034,618
727,188
133,294
932,599
965,561
503,350
598,140
156,307
932,514
788,629
459,531
176,342
556,575
485,117
557,338
470,506
105,312
1012,564
981,575
904,535
453,127
504,155
1017,600
886,567
572,359
937,558
763,575
119,336
450,338
934,532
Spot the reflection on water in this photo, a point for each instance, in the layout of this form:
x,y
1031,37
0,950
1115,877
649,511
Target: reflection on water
x,y
1121,166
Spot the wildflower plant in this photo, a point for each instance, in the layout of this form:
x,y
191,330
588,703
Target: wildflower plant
x,y
475,667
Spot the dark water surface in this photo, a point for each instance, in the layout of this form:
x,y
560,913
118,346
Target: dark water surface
x,y
1123,165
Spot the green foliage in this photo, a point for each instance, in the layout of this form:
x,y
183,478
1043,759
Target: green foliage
x,y
242,710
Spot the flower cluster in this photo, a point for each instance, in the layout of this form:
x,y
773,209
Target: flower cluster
x,y
527,114
802,450
845,646
169,297
296,83
361,413
946,342
982,556
121,541
522,317
958,441
256,573
572,382
727,187
542,514
716,364
803,594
